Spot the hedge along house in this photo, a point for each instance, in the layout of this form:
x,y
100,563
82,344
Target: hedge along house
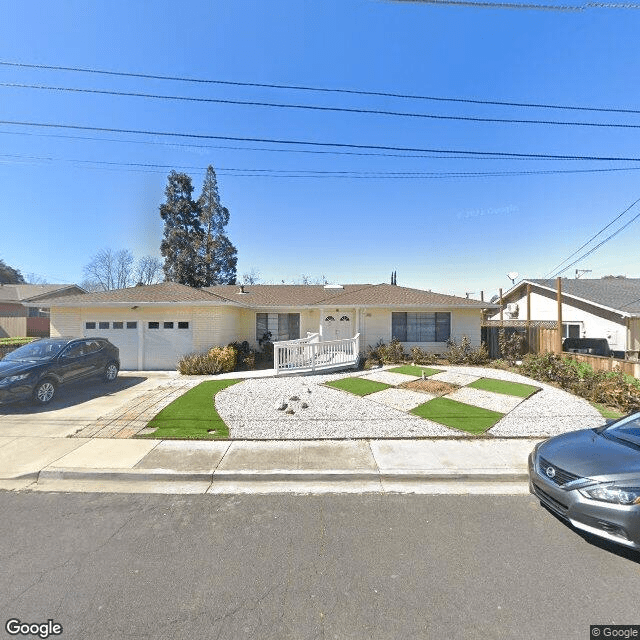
x,y
153,326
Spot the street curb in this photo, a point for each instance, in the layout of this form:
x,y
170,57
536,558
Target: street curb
x,y
161,475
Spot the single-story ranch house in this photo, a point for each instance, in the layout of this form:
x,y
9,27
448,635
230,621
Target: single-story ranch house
x,y
154,325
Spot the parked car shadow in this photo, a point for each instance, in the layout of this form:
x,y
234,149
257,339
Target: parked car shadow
x,y
602,543
73,394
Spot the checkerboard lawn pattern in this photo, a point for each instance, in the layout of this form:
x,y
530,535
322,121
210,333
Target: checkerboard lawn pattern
x,y
457,415
193,415
507,388
411,370
358,386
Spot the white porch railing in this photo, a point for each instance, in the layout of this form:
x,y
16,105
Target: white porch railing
x,y
310,354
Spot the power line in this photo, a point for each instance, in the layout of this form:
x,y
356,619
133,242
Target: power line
x,y
313,173
293,87
593,237
603,242
308,107
267,149
338,145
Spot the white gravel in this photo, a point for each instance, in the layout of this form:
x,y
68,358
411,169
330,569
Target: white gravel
x,y
389,377
485,399
250,408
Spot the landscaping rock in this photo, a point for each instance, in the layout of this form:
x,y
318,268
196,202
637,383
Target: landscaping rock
x,y
304,405
294,398
290,412
282,406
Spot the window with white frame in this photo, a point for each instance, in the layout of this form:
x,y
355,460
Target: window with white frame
x,y
282,326
421,327
570,330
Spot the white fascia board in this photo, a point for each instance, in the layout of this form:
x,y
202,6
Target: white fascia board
x,y
624,314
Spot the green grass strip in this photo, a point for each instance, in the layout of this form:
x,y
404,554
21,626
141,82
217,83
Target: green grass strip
x,y
192,415
507,388
412,370
605,412
457,415
358,386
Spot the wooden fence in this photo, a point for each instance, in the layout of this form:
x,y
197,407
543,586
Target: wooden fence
x,y
19,327
536,337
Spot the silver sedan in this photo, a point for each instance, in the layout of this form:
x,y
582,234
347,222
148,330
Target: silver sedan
x,y
591,478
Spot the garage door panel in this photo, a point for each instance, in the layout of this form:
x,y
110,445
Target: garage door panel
x,y
125,339
163,347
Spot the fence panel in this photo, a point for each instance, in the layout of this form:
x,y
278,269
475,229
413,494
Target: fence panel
x,y
13,327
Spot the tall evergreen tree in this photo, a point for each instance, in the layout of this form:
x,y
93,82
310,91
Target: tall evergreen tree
x,y
9,275
218,256
183,233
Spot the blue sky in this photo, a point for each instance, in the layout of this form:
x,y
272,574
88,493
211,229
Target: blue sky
x,y
60,206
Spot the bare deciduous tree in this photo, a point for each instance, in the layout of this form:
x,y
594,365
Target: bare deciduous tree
x,y
149,270
251,277
110,269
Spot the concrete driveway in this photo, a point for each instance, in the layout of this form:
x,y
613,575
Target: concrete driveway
x,y
78,405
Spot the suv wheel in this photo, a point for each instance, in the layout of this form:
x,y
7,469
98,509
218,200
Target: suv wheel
x,y
44,392
110,372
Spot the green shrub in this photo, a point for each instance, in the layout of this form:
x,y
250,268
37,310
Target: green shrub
x,y
420,356
510,343
216,360
464,353
385,353
245,355
612,388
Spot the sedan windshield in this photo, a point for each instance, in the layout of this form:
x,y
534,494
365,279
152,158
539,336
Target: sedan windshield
x,y
38,350
626,429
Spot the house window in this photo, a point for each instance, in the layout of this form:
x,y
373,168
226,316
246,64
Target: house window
x,y
118,325
570,330
329,319
132,325
421,327
89,325
283,326
154,325
183,325
103,325
167,325
345,319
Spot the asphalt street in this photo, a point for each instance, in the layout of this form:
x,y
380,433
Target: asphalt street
x,y
305,567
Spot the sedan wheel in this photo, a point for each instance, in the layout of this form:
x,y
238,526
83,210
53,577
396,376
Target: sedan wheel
x,y
111,372
44,392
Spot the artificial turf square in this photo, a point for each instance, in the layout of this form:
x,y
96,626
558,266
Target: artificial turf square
x,y
457,415
412,370
507,388
193,415
358,386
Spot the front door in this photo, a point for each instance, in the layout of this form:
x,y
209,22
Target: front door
x,y
338,326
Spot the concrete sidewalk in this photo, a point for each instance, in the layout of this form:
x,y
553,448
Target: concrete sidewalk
x,y
483,465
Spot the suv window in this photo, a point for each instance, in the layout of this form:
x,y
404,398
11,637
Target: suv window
x,y
74,351
91,346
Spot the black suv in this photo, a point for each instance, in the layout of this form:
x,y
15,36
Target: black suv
x,y
39,368
593,346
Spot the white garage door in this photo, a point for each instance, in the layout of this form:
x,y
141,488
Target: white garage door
x,y
165,342
123,334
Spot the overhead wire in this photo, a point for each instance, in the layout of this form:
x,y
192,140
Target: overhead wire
x,y
603,242
311,173
312,143
322,108
294,87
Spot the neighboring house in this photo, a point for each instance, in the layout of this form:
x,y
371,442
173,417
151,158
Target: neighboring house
x,y
18,319
591,308
155,325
